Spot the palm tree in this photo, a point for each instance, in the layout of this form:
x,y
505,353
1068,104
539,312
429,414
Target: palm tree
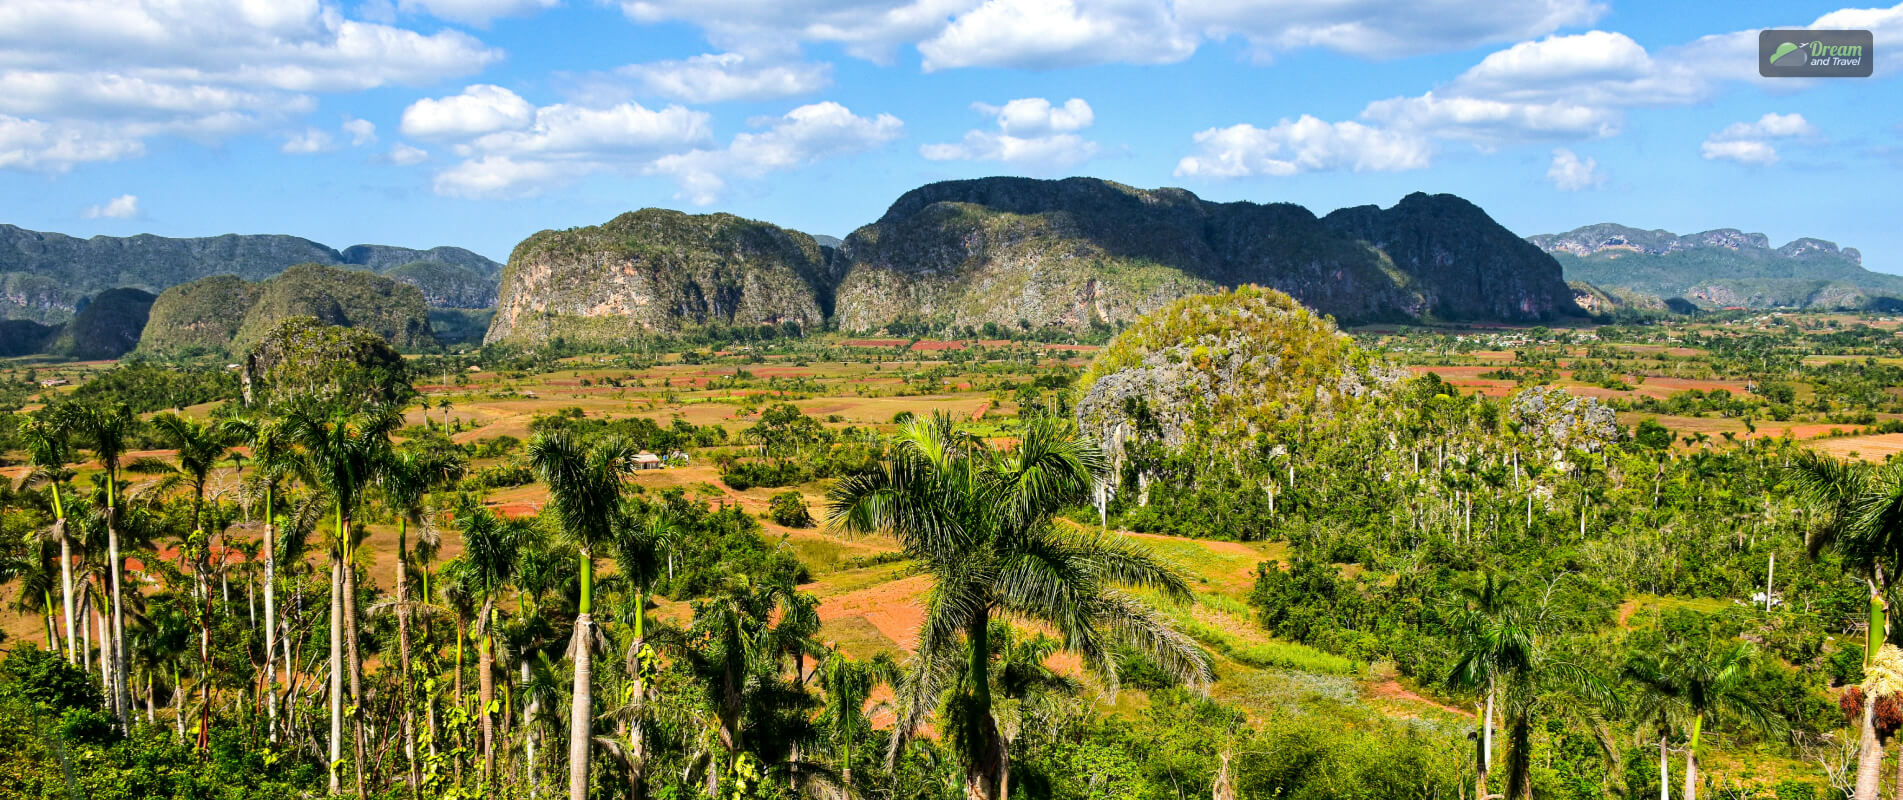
x,y
199,447
1857,511
344,453
1495,645
408,478
1690,685
49,450
490,547
1023,679
848,684
585,488
980,523
108,428
639,539
274,463
740,639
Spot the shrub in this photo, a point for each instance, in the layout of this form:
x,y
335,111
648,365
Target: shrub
x,y
789,509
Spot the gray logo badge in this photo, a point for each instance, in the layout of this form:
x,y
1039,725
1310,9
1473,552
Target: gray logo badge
x,y
1815,54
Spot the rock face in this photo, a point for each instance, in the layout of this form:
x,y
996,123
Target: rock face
x,y
1720,268
655,272
1078,251
43,276
225,313
107,326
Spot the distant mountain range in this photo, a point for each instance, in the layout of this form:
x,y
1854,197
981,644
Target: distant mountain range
x,y
1723,268
1017,252
47,277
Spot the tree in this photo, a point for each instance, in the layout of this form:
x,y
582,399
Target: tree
x,y
639,540
344,453
1857,512
490,547
584,485
1690,685
49,449
1494,645
848,685
108,428
980,522
274,464
406,480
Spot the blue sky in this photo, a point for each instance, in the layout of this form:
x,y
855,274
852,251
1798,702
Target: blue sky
x,y
478,122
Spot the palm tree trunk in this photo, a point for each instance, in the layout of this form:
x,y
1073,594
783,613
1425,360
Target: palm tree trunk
x,y
486,690
336,669
1520,757
528,728
1691,759
1869,753
637,738
65,571
121,697
270,614
1665,771
582,711
403,648
984,775
356,658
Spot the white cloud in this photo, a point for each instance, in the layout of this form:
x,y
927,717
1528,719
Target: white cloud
x,y
1031,133
714,78
309,142
475,12
125,206
1570,173
804,135
567,141
362,131
1748,142
1043,34
1489,121
480,109
100,77
1304,145
407,155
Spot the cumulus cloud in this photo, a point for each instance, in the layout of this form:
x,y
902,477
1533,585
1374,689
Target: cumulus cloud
x,y
804,135
1570,173
715,78
407,155
125,206
1031,133
362,131
480,109
1306,144
96,78
308,142
1749,142
1044,34
475,12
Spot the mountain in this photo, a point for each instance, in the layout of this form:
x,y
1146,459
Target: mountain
x,y
107,326
1082,251
656,271
226,313
43,276
1719,268
1074,253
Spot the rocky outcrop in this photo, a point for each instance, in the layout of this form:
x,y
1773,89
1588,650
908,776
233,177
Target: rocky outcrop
x,y
658,272
43,276
227,314
107,326
1082,251
1722,268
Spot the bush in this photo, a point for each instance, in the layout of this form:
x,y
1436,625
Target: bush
x,y
44,679
789,509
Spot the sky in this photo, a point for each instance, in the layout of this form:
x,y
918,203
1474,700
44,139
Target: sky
x,y
476,123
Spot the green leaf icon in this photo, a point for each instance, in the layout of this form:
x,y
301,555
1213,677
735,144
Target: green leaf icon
x,y
1785,49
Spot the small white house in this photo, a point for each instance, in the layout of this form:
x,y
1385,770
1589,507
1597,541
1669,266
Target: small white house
x,y
646,460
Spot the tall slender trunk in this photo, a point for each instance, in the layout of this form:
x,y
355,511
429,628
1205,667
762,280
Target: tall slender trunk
x,y
336,669
637,737
403,649
1691,759
356,656
1869,754
270,614
984,775
1520,757
1665,771
121,695
529,710
65,570
486,690
582,712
